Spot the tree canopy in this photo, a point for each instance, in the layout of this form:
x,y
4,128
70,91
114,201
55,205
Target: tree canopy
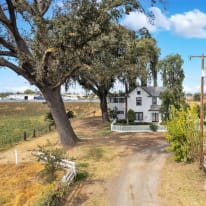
x,y
172,75
46,49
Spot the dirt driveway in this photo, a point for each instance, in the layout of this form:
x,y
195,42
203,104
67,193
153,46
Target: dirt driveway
x,y
137,184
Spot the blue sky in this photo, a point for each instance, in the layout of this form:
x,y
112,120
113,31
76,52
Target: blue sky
x,y
181,28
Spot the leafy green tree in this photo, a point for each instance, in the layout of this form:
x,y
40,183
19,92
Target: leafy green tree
x,y
183,133
172,76
150,54
46,51
29,91
106,61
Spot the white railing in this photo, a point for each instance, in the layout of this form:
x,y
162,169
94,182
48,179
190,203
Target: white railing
x,y
67,165
135,128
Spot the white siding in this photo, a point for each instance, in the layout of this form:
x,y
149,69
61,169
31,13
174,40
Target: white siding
x,y
146,103
145,107
119,106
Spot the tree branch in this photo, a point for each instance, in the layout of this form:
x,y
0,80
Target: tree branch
x,y
5,63
8,53
44,6
7,45
3,18
18,70
11,13
70,73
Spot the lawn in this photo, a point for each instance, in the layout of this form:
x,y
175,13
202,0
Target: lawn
x,y
18,118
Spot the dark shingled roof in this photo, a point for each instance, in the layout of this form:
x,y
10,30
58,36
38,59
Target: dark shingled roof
x,y
154,91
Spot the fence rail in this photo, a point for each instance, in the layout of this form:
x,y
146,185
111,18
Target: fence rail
x,y
135,128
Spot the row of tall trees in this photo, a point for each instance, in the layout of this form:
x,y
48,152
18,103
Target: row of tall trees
x,y
47,44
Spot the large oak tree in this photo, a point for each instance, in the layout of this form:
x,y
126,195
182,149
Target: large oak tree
x,y
46,51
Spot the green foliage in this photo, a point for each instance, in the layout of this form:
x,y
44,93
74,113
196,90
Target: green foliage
x,y
183,134
29,91
172,76
17,117
49,118
153,127
81,175
198,109
113,113
131,115
52,196
4,94
51,159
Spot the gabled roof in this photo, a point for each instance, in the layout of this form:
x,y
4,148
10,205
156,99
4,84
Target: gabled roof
x,y
154,91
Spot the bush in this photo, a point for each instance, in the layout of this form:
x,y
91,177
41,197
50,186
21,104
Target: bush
x,y
183,134
153,127
113,113
51,158
70,114
131,115
50,118
52,196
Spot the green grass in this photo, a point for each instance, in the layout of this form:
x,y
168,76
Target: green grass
x,y
19,117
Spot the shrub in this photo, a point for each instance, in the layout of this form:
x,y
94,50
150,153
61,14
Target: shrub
x,y
113,113
52,196
183,134
131,115
70,114
50,118
153,127
51,158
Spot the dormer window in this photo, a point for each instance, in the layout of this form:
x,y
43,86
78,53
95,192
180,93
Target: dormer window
x,y
138,92
154,100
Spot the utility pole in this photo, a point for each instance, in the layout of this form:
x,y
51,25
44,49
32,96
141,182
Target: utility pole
x,y
201,107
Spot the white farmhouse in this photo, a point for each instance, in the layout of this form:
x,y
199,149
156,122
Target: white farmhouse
x,y
144,101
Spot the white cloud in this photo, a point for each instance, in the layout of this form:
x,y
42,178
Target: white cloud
x,y
191,24
137,20
160,21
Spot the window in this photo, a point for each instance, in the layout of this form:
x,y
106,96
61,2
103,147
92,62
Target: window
x,y
139,116
138,92
155,117
115,100
121,100
138,100
154,100
120,112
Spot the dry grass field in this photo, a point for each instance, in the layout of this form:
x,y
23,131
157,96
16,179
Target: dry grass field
x,y
101,154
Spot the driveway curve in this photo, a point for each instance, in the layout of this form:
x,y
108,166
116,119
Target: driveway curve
x,y
137,184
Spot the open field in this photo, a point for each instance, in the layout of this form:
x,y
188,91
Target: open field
x,y
20,117
102,154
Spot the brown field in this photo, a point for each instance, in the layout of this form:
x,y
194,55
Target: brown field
x,y
103,153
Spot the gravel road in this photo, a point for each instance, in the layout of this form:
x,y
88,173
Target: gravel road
x,y
137,184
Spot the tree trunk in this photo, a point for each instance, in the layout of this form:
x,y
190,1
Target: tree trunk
x,y
103,106
63,126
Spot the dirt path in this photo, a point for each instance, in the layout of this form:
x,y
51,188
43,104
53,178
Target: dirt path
x,y
137,184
